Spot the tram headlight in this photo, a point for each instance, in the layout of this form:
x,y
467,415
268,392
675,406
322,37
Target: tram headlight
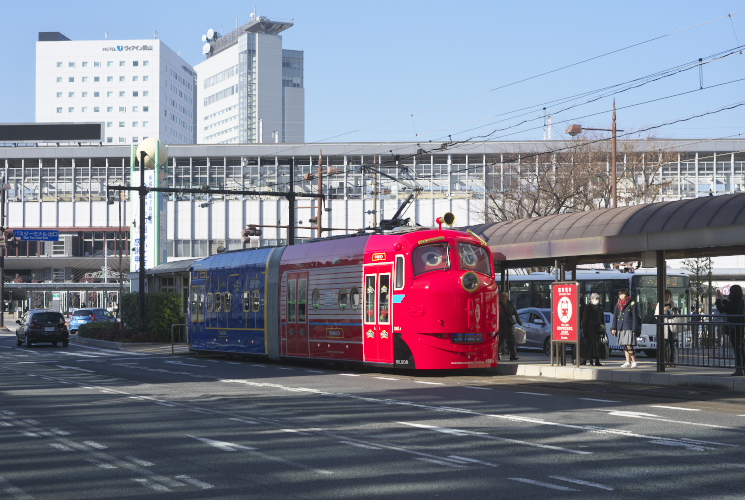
x,y
470,281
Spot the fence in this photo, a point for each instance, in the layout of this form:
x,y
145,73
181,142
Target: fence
x,y
698,340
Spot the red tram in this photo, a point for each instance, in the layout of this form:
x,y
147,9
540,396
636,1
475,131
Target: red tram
x,y
417,299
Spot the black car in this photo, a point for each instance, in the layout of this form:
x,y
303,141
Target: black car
x,y
42,325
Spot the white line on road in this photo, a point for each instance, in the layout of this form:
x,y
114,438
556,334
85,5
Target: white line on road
x,y
426,382
474,461
195,482
674,407
139,461
95,445
539,483
17,493
584,483
315,371
260,366
152,485
681,444
360,445
284,368
245,421
223,445
100,464
181,363
479,388
440,462
60,447
649,416
348,374
600,400
386,378
74,368
533,393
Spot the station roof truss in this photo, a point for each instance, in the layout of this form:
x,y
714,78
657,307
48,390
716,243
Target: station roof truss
x,y
699,227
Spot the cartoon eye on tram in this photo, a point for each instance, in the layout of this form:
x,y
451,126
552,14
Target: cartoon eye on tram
x,y
417,299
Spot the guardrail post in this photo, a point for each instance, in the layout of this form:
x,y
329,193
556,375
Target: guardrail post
x,y
172,327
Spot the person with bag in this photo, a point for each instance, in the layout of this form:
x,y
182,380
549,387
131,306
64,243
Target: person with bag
x,y
593,327
673,328
627,326
508,317
734,308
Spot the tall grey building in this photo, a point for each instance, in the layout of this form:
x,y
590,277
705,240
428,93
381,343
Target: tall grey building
x,y
250,89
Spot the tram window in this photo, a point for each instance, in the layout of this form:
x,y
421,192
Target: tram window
x,y
383,299
218,302
474,258
370,299
228,301
291,301
315,299
246,301
302,298
257,301
343,299
210,302
399,272
431,258
354,298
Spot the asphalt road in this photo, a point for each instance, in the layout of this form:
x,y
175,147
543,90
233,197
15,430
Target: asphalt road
x,y
81,422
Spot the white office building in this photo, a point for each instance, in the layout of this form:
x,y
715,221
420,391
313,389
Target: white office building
x,y
250,89
136,88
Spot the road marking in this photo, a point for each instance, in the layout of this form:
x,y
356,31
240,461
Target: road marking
x,y
244,421
162,403
7,347
284,368
675,407
95,445
60,432
152,485
533,393
74,368
360,445
484,435
6,424
456,457
295,431
100,464
386,378
539,483
479,388
680,444
584,483
181,363
600,400
60,447
10,489
79,354
139,461
315,371
230,363
649,416
430,383
195,482
223,445
348,374
440,462
260,366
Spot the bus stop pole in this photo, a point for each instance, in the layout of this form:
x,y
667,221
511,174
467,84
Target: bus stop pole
x,y
661,284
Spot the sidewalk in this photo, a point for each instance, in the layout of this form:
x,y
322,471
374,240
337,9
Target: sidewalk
x,y
644,374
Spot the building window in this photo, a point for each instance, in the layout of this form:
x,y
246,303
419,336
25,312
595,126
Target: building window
x,y
121,124
122,78
96,78
109,94
134,124
145,109
59,79
71,94
122,109
85,64
59,64
134,78
109,109
109,124
135,93
134,139
85,94
109,140
135,63
145,93
109,64
146,63
109,78
96,109
96,94
145,78
122,139
145,124
71,79
71,64
97,64
59,110
71,110
122,63
84,109
121,93
59,94
85,78
135,109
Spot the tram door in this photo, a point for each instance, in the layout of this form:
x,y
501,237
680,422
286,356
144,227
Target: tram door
x,y
196,332
296,307
378,324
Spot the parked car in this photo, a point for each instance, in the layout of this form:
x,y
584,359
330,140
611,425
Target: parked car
x,y
537,324
83,316
42,325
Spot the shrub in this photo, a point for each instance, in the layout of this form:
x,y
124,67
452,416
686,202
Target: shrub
x,y
112,333
162,309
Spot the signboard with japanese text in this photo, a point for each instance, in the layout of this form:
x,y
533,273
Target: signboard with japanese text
x,y
35,235
565,302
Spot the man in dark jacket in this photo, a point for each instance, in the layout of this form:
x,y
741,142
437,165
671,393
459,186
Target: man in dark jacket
x,y
734,308
593,322
508,317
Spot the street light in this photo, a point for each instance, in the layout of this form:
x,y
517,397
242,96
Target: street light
x,y
575,129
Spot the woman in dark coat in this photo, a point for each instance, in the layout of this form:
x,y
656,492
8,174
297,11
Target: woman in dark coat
x,y
734,308
626,326
507,314
593,321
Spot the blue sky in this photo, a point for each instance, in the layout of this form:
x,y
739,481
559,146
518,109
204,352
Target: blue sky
x,y
425,70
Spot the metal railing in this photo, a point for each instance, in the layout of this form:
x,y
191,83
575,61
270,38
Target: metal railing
x,y
704,340
179,335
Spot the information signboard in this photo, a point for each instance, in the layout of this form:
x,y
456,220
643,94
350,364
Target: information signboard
x,y
35,235
565,301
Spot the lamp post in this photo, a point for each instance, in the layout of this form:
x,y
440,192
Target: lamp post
x,y
575,129
3,188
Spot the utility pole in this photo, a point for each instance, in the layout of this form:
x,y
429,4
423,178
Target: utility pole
x,y
319,201
613,158
2,253
142,275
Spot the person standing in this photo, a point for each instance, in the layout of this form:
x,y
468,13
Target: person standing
x,y
626,326
508,317
675,326
593,323
734,308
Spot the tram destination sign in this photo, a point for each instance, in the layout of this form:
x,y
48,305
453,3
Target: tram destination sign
x,y
35,235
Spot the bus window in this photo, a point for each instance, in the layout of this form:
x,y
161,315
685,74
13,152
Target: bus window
x,y
431,258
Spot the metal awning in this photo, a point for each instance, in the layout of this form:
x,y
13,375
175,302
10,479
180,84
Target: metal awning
x,y
698,227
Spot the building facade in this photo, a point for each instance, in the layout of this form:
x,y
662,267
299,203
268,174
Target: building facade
x,y
136,88
250,89
65,188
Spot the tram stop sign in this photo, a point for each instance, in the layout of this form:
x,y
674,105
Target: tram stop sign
x,y
565,301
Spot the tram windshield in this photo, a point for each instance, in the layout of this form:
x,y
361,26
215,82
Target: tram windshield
x,y
431,258
474,258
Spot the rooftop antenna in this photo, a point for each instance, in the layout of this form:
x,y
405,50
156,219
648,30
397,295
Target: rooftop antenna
x,y
155,35
106,35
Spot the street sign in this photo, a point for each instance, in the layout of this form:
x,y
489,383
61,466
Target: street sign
x,y
36,235
565,311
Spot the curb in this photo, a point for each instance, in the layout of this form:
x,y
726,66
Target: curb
x,y
106,344
626,376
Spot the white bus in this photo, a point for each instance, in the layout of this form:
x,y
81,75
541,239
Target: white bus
x,y
534,290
